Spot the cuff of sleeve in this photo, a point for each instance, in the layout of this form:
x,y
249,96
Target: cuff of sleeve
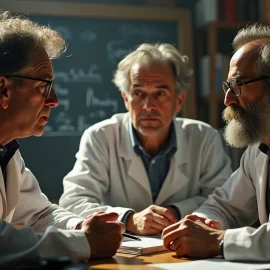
x,y
73,222
126,215
178,213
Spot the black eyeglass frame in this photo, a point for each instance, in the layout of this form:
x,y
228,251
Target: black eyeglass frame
x,y
48,86
239,84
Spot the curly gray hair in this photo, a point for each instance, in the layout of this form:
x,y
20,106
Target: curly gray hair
x,y
158,52
19,37
261,34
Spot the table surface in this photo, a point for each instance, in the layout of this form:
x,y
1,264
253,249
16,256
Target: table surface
x,y
128,261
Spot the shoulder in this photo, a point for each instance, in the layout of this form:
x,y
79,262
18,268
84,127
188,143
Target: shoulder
x,y
108,127
192,126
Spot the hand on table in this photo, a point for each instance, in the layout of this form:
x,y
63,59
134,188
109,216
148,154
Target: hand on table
x,y
104,234
151,220
212,223
192,239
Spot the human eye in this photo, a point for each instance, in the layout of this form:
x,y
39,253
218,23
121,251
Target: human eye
x,y
137,93
161,93
42,87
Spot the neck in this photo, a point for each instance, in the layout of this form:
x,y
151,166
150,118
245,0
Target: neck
x,y
154,144
6,132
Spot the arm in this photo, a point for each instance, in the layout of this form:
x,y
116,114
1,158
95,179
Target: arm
x,y
234,204
34,209
24,243
247,244
86,184
214,167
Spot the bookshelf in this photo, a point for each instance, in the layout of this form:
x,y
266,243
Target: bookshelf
x,y
215,38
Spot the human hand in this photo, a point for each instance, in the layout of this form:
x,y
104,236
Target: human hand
x,y
104,234
192,239
212,223
151,220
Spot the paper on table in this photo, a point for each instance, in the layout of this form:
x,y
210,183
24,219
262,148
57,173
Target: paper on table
x,y
211,264
145,246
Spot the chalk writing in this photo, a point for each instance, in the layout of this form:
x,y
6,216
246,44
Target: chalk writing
x,y
117,50
80,75
104,102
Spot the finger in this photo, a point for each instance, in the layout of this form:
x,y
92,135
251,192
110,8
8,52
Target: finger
x,y
153,231
195,218
167,240
104,217
165,213
151,223
122,226
172,237
161,220
213,223
176,244
170,228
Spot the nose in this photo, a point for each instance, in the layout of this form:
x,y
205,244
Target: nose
x,y
52,100
230,98
149,103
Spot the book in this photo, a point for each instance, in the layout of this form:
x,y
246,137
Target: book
x,y
147,245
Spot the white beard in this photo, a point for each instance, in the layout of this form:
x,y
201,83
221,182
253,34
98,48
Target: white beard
x,y
235,135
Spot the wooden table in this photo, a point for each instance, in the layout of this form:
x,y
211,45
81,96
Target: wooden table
x,y
129,262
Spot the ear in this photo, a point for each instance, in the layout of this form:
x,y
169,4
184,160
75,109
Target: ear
x,y
4,94
125,98
180,101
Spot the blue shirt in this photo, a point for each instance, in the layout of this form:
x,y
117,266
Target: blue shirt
x,y
157,167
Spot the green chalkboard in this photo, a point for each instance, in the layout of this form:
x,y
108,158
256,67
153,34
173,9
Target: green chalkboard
x,y
83,84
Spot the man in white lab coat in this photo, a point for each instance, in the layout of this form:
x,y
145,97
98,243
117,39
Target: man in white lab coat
x,y
26,99
147,165
245,197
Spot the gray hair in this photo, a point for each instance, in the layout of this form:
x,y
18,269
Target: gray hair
x,y
261,34
19,37
155,53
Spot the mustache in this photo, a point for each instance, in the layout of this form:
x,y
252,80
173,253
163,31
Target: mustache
x,y
149,115
233,112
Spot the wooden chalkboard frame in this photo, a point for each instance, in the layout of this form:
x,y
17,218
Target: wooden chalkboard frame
x,y
87,10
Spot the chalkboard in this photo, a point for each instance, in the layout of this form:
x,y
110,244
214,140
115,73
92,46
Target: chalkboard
x,y
83,83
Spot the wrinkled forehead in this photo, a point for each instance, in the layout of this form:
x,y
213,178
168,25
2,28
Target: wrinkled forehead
x,y
156,67
243,62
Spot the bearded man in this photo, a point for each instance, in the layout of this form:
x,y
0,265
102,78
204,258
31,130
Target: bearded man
x,y
223,224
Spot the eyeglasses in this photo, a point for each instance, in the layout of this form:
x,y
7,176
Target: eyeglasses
x,y
48,86
235,85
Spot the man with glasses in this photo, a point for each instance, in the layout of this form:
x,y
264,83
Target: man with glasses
x,y
26,99
223,224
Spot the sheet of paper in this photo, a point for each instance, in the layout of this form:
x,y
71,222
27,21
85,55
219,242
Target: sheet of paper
x,y
211,264
144,243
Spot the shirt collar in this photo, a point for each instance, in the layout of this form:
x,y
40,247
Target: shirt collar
x,y
10,147
172,144
265,149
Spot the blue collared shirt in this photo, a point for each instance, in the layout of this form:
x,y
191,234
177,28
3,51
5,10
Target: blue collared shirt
x,y
157,167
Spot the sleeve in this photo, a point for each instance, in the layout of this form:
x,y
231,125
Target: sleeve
x,y
214,166
234,204
48,236
88,182
34,209
247,244
20,245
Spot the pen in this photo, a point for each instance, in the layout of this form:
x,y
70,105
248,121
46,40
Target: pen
x,y
131,237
